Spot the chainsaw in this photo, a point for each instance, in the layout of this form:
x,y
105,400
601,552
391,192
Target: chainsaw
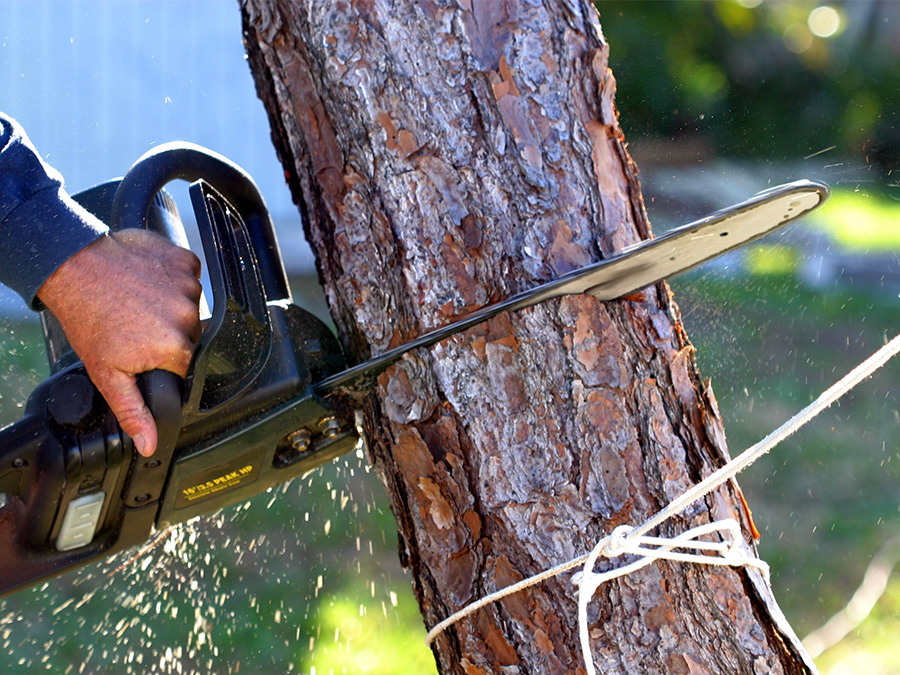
x,y
268,396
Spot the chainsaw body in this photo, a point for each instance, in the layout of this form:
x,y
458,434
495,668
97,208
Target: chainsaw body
x,y
72,486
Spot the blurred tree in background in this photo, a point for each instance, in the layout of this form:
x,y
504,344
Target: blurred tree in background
x,y
699,71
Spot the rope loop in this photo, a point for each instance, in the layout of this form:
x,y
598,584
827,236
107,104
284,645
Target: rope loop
x,y
730,550
617,543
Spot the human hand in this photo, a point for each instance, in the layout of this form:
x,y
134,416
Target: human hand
x,y
128,304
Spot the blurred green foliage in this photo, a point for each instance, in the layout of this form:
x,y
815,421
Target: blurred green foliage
x,y
751,79
23,363
872,649
359,641
864,222
825,500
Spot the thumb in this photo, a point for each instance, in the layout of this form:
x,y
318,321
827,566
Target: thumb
x,y
124,398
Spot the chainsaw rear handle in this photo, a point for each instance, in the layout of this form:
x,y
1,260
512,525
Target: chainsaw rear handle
x,y
163,392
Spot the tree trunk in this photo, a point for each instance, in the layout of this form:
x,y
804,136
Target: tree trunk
x,y
446,155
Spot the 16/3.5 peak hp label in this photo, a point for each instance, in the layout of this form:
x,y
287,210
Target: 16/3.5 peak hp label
x,y
213,482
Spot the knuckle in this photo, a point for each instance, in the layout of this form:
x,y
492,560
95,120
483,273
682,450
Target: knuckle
x,y
186,260
187,315
180,359
194,263
132,416
193,290
175,346
173,360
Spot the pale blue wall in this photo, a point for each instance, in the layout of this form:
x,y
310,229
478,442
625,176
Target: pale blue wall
x,y
98,82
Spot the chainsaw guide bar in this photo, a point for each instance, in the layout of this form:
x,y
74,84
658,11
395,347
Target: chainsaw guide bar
x,y
629,271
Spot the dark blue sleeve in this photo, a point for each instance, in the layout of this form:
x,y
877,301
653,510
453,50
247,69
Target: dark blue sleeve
x,y
40,225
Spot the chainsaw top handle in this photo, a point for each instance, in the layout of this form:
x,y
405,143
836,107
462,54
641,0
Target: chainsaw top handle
x,y
190,162
130,208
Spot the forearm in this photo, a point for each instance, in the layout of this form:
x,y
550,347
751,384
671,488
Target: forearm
x,y
40,225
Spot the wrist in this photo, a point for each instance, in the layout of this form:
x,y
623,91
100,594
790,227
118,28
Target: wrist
x,y
76,275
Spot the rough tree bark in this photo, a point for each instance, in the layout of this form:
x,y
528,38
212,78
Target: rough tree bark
x,y
445,155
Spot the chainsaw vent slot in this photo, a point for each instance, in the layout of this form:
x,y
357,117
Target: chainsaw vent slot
x,y
228,361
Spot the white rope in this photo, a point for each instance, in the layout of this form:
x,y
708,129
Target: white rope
x,y
623,541
634,540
